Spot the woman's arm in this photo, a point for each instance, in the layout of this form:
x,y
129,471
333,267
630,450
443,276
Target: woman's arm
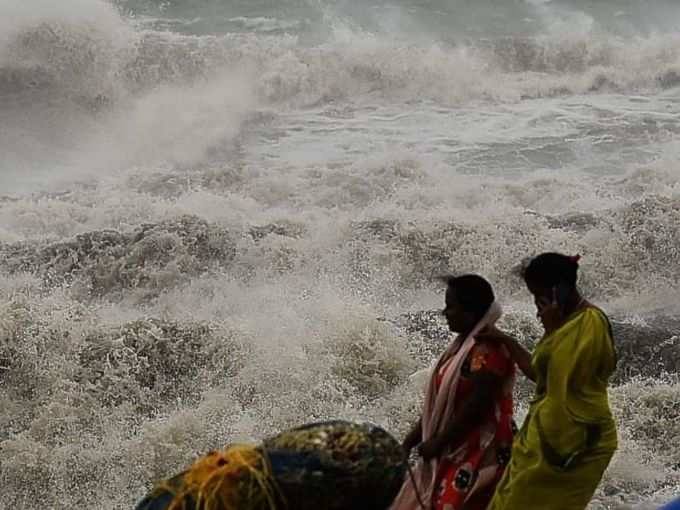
x,y
519,354
471,414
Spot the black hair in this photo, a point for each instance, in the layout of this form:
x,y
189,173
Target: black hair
x,y
552,269
473,293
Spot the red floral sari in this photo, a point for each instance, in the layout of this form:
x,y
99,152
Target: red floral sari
x,y
470,477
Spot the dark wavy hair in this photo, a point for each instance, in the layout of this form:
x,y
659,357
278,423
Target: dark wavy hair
x,y
473,292
551,269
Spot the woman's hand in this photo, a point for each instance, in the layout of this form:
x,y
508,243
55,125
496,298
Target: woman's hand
x,y
549,313
495,333
432,448
414,437
410,442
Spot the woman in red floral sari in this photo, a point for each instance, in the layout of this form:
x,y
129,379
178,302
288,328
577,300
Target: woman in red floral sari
x,y
464,435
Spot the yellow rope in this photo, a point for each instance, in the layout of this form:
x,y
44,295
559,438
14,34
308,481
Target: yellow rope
x,y
238,478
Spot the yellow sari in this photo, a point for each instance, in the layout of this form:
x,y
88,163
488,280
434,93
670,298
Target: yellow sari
x,y
569,435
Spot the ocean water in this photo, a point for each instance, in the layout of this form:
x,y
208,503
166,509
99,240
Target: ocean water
x,y
216,216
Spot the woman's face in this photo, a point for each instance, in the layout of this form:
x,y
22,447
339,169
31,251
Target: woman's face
x,y
542,297
456,317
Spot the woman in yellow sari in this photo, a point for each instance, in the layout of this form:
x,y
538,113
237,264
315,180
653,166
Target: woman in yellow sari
x,y
569,436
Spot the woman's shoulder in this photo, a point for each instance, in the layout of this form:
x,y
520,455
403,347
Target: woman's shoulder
x,y
594,316
594,311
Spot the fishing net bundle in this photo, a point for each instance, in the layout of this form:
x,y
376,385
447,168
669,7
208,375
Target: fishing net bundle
x,y
333,465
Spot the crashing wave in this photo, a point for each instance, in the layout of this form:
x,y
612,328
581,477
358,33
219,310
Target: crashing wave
x,y
150,258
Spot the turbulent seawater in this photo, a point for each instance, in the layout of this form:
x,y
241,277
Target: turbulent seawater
x,y
221,219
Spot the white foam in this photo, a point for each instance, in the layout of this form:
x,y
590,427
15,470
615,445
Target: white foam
x,y
367,164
